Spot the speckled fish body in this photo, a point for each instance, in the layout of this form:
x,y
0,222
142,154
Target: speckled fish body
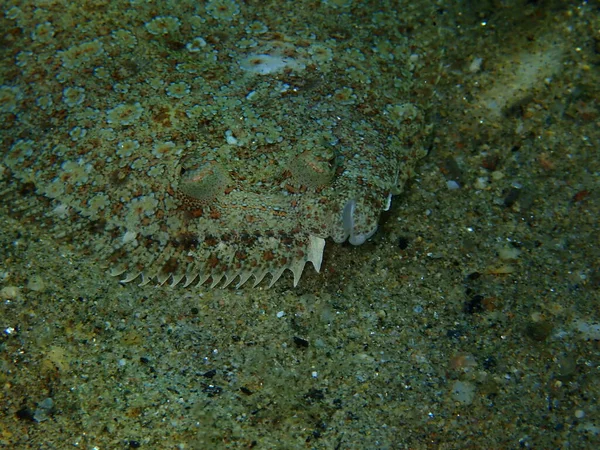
x,y
205,141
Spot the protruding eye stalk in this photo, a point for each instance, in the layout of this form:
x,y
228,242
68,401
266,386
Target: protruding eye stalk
x,y
314,168
204,183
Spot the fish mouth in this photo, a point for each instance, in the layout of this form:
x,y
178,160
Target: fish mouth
x,y
355,233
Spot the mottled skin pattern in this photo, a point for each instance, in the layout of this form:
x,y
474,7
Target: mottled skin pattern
x,y
197,143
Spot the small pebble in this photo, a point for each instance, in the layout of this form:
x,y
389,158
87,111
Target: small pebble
x,y
452,185
481,183
9,293
36,283
463,392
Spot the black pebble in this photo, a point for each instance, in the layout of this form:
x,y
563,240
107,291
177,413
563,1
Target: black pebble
x,y
474,305
403,243
211,373
301,343
25,414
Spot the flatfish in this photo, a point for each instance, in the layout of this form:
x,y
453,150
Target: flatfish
x,y
205,142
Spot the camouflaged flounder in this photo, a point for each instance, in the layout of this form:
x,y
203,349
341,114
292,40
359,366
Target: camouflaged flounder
x,y
199,143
